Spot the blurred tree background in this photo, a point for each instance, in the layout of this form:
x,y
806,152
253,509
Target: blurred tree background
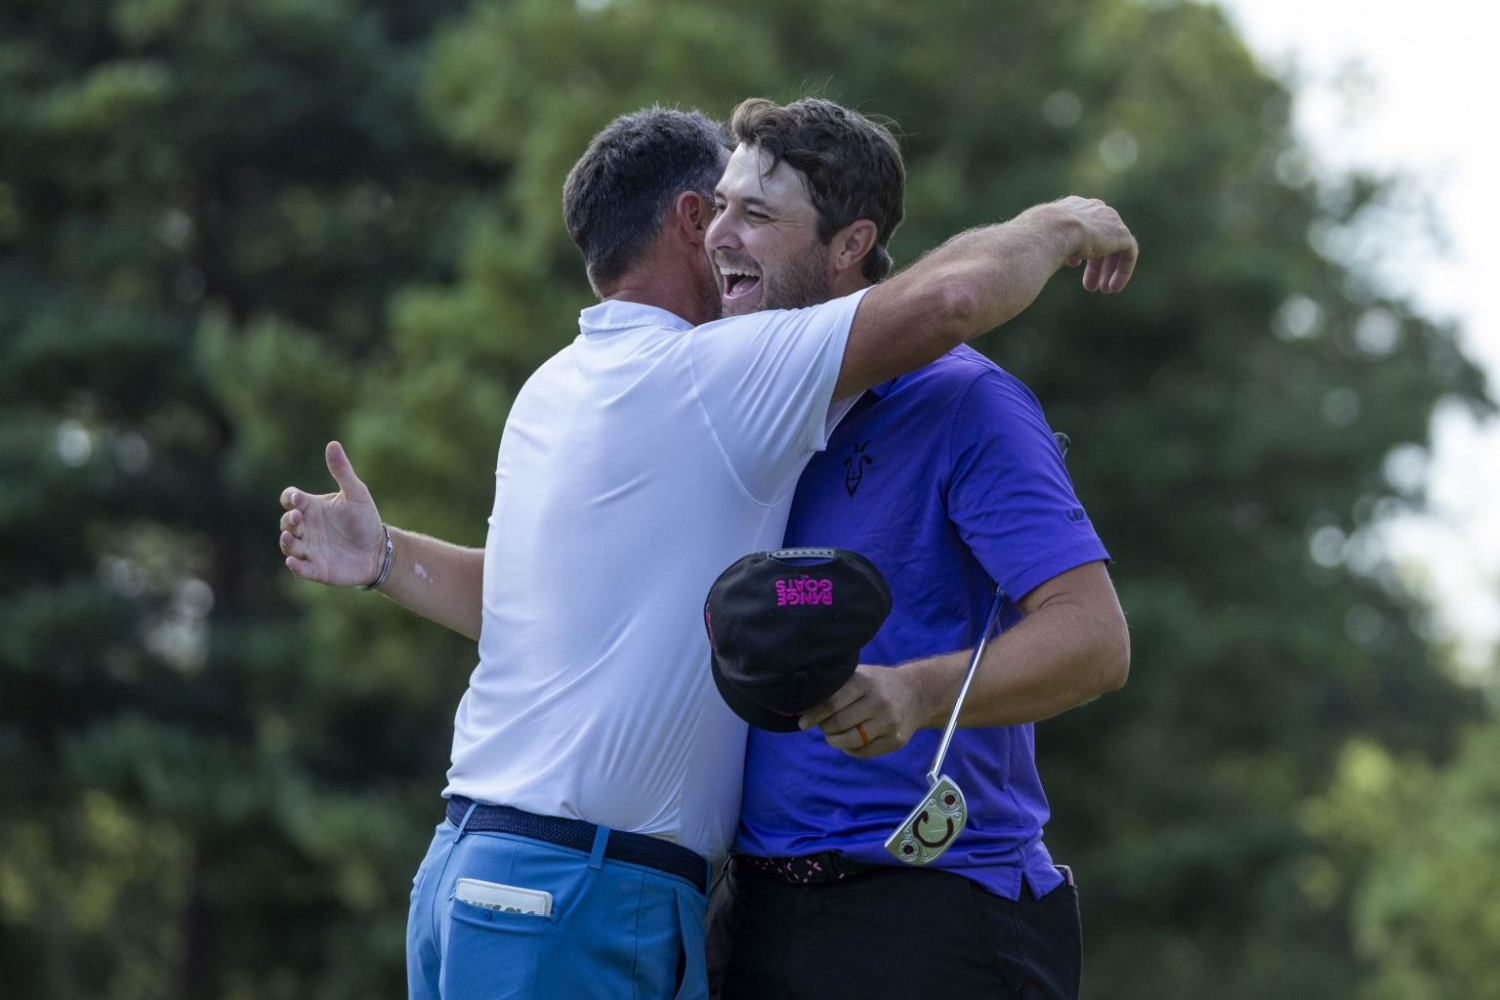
x,y
231,230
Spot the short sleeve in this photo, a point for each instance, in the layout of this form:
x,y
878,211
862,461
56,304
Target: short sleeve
x,y
765,382
1010,496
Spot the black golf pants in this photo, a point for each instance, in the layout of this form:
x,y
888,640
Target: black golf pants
x,y
892,932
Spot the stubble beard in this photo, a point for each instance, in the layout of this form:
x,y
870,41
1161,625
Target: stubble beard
x,y
802,282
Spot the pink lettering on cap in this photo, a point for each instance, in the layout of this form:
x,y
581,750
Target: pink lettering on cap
x,y
803,590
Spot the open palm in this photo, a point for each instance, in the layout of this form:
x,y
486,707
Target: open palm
x,y
332,538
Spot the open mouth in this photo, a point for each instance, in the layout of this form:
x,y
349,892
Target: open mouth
x,y
738,283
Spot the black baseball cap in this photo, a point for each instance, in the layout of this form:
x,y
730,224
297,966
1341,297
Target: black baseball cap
x,y
787,627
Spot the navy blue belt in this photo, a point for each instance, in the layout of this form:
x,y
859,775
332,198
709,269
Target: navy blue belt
x,y
633,848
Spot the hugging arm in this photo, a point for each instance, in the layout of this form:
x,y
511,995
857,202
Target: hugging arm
x,y
978,280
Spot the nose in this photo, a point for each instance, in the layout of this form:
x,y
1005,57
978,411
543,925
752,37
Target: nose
x,y
721,233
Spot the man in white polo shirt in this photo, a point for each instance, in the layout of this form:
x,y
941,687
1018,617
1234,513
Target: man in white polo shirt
x,y
596,772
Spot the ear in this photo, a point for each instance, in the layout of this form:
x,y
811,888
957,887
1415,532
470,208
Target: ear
x,y
851,245
692,215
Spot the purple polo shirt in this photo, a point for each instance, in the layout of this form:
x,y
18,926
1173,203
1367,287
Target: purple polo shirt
x,y
949,480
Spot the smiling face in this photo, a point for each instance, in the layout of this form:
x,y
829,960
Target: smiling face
x,y
764,241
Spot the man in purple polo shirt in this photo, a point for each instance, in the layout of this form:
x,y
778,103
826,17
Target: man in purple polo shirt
x,y
950,481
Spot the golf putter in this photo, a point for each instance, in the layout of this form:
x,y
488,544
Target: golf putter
x,y
940,817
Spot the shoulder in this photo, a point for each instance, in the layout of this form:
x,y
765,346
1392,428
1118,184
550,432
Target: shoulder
x,y
834,312
981,408
962,378
549,371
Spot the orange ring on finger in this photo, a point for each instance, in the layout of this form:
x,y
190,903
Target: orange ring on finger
x,y
864,737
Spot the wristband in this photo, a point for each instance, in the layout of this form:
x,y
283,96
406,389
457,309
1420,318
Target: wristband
x,y
385,564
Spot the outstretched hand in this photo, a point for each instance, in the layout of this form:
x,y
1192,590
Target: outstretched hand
x,y
333,538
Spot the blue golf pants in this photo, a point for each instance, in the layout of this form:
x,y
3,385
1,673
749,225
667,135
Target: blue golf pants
x,y
617,930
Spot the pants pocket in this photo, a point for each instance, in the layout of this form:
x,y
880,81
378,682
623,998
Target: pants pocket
x,y
492,954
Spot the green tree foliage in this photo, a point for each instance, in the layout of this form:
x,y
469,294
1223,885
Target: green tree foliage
x,y
231,230
1412,847
204,207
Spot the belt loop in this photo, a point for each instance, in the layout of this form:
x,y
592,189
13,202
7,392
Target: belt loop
x,y
465,821
601,840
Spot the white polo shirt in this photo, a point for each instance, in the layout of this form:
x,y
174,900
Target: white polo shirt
x,y
636,464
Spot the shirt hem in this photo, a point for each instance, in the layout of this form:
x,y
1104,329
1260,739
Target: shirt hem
x,y
1054,563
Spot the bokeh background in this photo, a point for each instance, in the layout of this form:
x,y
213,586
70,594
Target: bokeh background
x,y
233,229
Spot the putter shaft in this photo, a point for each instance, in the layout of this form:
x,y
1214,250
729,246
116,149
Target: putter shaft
x,y
984,637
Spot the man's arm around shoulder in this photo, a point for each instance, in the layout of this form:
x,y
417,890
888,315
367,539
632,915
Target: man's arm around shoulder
x,y
978,280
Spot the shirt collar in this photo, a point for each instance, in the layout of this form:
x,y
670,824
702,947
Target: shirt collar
x,y
884,388
614,315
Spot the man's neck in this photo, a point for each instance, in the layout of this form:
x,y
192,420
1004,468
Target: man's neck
x,y
849,284
675,304
664,285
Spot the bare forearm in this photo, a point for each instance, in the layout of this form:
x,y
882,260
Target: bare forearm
x,y
995,272
1045,665
1071,646
438,580
977,281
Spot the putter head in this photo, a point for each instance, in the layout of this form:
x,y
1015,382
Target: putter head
x,y
934,824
